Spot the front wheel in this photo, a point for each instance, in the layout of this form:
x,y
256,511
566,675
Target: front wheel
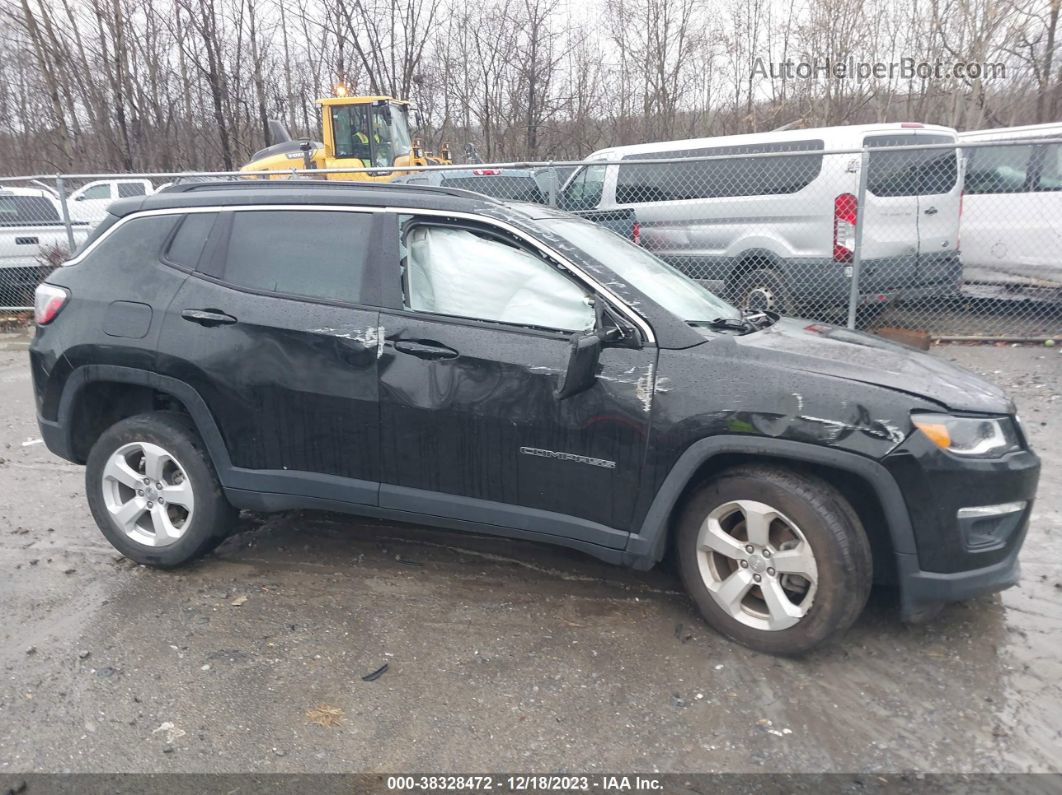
x,y
776,560
153,491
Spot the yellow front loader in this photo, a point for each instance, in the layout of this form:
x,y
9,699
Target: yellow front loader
x,y
359,132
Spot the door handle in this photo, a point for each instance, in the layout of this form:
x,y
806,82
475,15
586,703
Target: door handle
x,y
931,211
208,317
425,349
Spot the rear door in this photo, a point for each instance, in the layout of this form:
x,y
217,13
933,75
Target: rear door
x,y
273,333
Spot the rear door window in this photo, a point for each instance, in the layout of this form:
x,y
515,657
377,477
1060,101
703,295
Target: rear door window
x,y
910,172
305,253
732,175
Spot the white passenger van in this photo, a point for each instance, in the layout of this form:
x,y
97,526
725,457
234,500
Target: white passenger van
x,y
1013,202
778,232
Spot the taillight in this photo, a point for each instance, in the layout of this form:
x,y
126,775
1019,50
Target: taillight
x,y
48,300
912,125
486,172
845,212
636,233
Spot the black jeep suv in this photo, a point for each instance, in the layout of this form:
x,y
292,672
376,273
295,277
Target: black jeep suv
x,y
430,355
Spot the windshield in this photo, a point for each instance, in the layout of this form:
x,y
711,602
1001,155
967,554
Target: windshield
x,y
374,134
647,273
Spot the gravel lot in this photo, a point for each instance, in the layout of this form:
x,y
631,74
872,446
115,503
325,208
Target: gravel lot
x,y
502,656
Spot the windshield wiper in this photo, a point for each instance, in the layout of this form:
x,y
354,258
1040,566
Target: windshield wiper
x,y
746,324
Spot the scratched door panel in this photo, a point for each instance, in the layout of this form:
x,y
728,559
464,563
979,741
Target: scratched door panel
x,y
486,425
291,383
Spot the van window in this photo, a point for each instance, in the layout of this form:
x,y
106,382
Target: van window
x,y
1051,171
187,245
911,172
997,169
127,190
310,253
584,191
734,176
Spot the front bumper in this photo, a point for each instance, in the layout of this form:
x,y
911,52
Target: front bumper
x,y
955,558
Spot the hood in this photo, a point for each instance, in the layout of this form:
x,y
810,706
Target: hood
x,y
854,356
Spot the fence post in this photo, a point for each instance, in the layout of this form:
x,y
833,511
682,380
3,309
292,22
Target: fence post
x,y
554,185
60,188
857,254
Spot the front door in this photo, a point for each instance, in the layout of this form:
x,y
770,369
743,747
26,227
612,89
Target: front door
x,y
470,425
271,332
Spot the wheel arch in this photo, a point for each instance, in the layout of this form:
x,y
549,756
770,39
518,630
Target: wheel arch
x,y
138,390
864,482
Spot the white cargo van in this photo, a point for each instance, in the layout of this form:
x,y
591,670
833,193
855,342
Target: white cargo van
x,y
1013,203
777,232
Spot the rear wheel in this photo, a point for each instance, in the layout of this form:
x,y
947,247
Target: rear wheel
x,y
764,290
153,491
776,560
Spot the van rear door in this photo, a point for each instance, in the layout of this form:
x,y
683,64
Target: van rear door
x,y
939,202
890,222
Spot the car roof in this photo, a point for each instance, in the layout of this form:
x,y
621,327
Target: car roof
x,y
320,192
309,192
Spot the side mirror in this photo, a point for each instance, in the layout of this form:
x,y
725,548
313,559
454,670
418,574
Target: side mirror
x,y
581,373
80,198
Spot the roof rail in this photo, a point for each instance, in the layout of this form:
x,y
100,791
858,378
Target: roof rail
x,y
274,184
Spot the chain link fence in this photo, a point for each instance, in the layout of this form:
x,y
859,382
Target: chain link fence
x,y
953,240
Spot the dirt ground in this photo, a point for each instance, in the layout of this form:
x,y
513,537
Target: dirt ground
x,y
501,656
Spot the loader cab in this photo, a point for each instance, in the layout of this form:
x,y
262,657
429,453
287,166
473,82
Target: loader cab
x,y
367,132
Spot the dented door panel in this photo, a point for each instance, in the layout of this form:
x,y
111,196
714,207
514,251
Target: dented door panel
x,y
485,424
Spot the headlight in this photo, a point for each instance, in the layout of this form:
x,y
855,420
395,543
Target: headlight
x,y
979,437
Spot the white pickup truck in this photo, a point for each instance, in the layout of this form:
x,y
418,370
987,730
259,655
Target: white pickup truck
x,y
33,240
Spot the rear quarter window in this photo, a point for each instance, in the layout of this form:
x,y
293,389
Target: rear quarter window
x,y
301,253
134,243
188,242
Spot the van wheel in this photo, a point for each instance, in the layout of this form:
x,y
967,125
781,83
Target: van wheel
x,y
153,490
775,560
763,290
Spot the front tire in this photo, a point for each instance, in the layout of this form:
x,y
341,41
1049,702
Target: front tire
x,y
153,491
775,560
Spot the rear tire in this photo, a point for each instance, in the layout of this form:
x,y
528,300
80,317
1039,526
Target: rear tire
x,y
764,290
153,491
808,574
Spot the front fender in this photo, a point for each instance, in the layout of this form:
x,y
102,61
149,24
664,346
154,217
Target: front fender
x,y
647,546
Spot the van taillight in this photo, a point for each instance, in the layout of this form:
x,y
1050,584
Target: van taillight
x,y
48,300
636,233
845,211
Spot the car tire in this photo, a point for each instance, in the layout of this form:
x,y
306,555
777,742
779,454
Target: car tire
x,y
153,491
762,290
826,568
